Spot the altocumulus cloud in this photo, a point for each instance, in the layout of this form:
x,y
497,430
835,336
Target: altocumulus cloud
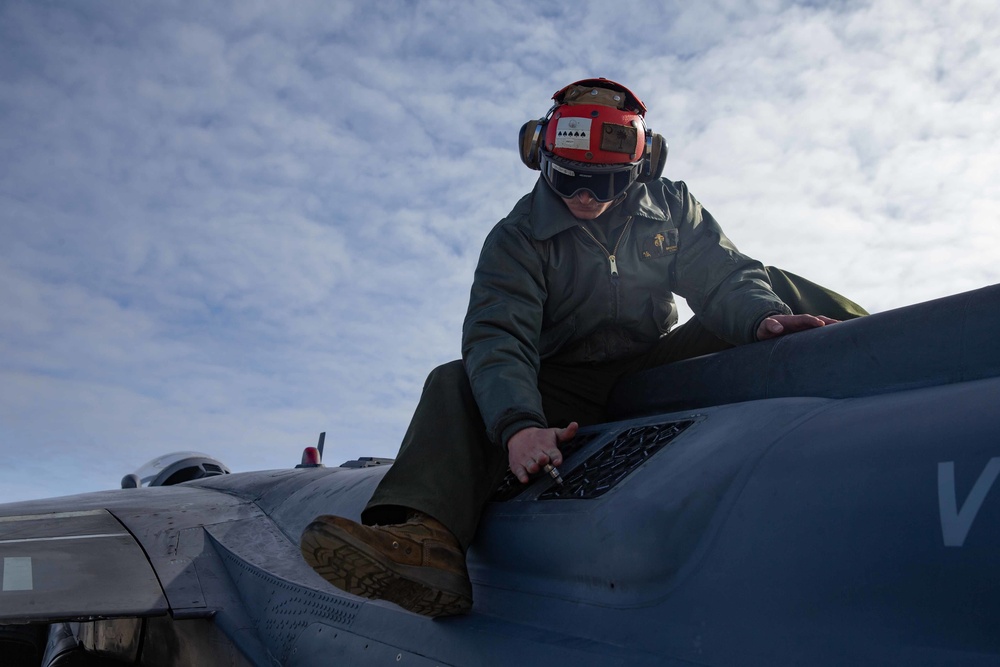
x,y
228,227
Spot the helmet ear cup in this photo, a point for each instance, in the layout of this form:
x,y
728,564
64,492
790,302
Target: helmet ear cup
x,y
529,142
654,159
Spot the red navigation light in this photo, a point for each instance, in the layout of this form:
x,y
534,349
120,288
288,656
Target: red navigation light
x,y
310,458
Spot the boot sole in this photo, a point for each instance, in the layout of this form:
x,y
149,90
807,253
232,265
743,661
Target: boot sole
x,y
353,566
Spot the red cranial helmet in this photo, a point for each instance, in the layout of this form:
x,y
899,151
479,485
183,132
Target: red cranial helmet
x,y
594,138
596,121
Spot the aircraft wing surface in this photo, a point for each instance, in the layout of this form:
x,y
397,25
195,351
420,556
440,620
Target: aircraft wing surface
x,y
74,565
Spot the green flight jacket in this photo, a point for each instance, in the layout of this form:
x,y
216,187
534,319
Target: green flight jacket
x,y
544,289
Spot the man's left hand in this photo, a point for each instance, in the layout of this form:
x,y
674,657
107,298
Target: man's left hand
x,y
779,325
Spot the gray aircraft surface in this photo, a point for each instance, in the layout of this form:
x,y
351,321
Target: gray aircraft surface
x,y
827,498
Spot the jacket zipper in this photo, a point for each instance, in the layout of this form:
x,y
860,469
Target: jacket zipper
x,y
612,261
611,255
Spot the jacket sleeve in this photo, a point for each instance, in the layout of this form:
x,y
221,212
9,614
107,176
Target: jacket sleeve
x,y
727,290
500,336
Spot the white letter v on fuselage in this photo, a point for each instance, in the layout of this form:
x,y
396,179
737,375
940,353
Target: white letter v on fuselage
x,y
955,523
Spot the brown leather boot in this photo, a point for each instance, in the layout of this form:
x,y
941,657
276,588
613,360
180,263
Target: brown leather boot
x,y
419,564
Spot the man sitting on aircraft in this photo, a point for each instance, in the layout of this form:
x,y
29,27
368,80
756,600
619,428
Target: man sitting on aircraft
x,y
574,290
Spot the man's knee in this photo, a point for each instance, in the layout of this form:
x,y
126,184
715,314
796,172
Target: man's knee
x,y
451,372
805,296
449,382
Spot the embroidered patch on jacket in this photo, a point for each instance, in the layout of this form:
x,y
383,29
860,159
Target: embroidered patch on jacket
x,y
659,244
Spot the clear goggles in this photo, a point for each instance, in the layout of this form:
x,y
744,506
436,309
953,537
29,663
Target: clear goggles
x,y
603,182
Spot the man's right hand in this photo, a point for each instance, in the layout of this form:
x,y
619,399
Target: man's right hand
x,y
530,449
780,325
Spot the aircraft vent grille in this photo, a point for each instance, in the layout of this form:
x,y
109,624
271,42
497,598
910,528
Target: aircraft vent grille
x,y
604,468
608,466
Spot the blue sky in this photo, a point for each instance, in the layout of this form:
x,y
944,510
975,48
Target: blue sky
x,y
229,226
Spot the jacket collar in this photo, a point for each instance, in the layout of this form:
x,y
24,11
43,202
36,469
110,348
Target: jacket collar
x,y
549,215
638,202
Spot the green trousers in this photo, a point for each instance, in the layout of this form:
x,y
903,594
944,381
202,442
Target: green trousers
x,y
448,468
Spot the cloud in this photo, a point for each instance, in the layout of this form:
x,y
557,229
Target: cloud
x,y
228,227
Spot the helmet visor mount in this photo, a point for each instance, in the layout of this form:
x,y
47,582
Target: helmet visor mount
x,y
603,182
